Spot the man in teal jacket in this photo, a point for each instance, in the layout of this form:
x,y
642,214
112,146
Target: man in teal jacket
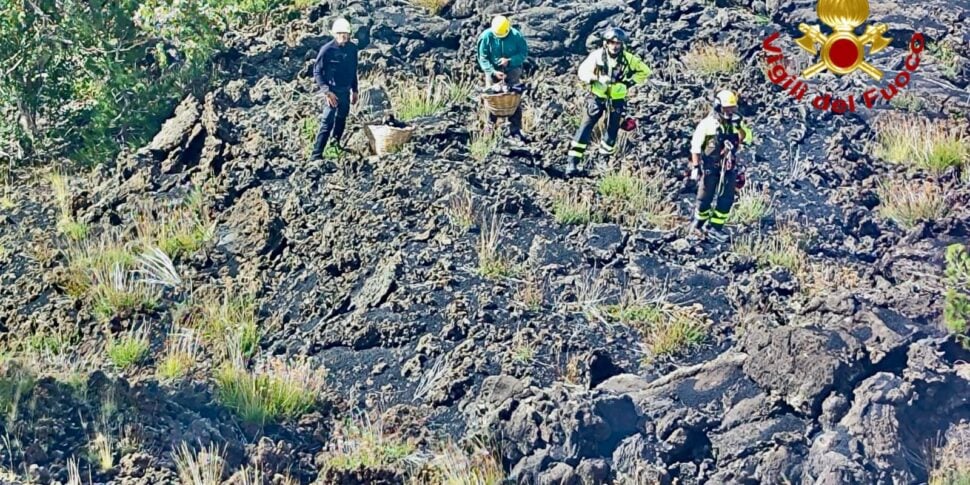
x,y
501,53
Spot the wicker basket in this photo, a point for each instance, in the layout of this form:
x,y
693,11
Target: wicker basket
x,y
503,104
388,139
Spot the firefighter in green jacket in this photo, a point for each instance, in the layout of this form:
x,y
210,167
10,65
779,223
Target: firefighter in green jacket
x,y
609,72
502,51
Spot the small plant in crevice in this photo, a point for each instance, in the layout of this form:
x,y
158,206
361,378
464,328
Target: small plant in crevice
x,y
572,209
202,467
667,328
66,223
129,349
950,460
433,7
460,209
633,198
956,307
781,248
492,262
365,443
226,319
181,352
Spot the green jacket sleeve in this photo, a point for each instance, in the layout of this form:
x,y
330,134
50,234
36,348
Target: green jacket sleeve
x,y
521,51
485,54
639,72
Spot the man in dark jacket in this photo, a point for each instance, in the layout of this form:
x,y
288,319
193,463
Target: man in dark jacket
x,y
335,72
501,52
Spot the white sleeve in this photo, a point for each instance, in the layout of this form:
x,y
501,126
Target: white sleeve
x,y
587,70
703,130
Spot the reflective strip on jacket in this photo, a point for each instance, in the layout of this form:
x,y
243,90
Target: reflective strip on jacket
x,y
710,127
628,72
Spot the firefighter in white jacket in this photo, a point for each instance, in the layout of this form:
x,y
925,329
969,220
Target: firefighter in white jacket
x,y
609,72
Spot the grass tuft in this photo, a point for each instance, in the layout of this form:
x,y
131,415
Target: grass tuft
x,y
750,207
712,60
632,199
278,392
434,7
477,464
909,202
128,350
922,143
492,263
181,352
572,209
667,329
483,143
116,292
204,467
413,98
778,249
366,444
226,319
460,209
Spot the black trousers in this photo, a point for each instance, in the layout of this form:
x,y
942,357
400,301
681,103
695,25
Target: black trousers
x,y
595,107
715,192
333,121
512,77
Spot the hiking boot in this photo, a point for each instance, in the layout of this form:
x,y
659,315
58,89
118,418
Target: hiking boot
x,y
571,168
519,137
718,234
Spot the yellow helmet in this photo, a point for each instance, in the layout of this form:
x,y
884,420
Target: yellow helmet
x,y
501,25
727,98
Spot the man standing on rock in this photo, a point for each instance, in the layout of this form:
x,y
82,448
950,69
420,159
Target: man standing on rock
x,y
335,72
502,51
716,141
609,71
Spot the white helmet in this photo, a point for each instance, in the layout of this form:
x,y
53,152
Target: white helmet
x,y
340,26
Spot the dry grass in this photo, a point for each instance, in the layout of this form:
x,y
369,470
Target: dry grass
x,y
101,449
750,207
951,462
632,198
66,223
477,464
820,279
909,202
434,7
204,467
532,292
956,308
181,352
592,291
922,143
492,263
523,348
712,60
93,256
461,209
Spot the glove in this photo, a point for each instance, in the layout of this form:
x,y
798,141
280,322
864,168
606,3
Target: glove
x,y
603,79
695,173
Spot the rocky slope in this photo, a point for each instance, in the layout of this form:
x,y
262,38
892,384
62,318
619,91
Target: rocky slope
x,y
843,377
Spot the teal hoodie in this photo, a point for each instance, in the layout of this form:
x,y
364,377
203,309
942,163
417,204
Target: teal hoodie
x,y
491,48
